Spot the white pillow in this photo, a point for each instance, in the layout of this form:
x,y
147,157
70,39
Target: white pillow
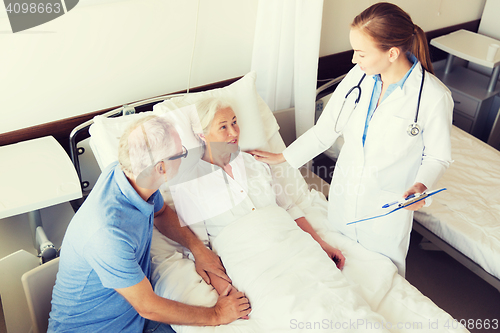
x,y
250,109
105,133
256,121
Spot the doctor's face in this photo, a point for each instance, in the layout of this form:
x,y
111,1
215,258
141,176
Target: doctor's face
x,y
367,55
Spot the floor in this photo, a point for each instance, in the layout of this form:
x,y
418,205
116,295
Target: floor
x,y
451,286
15,234
438,276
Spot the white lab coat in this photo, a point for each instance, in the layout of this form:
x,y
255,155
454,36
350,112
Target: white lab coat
x,y
365,178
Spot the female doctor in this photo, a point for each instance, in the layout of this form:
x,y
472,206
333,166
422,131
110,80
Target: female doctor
x,y
395,117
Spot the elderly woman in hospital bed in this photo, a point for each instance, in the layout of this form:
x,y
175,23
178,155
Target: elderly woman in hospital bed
x,y
231,201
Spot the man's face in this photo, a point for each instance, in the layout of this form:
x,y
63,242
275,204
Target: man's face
x,y
172,166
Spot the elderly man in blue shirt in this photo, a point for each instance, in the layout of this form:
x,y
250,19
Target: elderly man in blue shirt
x,y
103,279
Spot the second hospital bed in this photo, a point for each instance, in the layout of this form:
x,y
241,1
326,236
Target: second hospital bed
x,y
373,276
465,222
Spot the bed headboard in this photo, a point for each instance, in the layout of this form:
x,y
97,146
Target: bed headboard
x,y
81,132
257,123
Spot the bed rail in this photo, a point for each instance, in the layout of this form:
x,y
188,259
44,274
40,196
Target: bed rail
x,y
328,87
81,132
456,254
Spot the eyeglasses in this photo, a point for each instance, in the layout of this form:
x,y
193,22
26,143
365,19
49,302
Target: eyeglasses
x,y
175,157
181,155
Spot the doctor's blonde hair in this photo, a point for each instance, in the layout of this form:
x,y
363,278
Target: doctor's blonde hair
x,y
390,26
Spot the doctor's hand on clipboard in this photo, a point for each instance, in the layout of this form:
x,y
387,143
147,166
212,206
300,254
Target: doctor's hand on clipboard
x,y
416,188
392,207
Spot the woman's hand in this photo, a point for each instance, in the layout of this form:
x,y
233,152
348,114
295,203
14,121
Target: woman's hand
x,y
334,254
267,157
416,188
206,261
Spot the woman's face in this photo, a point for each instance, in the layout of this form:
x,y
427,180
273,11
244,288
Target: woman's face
x,y
224,129
367,55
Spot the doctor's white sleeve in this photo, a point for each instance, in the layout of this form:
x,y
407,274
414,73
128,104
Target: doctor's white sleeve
x,y
317,139
436,157
322,135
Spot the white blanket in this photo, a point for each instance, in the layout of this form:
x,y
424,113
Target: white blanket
x,y
289,280
291,283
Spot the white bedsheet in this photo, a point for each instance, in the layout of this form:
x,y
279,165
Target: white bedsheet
x,y
286,275
467,215
292,283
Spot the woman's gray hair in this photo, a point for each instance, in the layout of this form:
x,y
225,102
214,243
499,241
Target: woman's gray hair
x,y
144,143
206,109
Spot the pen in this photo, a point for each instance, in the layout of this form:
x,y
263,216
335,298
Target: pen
x,y
395,202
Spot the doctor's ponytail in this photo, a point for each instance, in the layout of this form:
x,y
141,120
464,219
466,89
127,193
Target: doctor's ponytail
x,y
420,49
390,26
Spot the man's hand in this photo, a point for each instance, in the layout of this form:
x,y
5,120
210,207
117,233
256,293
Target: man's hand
x,y
267,157
416,188
221,285
334,254
232,306
229,307
168,224
206,261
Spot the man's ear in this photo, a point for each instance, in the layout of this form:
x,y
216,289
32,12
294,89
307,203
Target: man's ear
x,y
160,167
394,53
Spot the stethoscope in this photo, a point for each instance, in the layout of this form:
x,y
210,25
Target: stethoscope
x,y
413,129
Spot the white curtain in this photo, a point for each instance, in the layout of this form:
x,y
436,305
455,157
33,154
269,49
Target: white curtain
x,y
285,56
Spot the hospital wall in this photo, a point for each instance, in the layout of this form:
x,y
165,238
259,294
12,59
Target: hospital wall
x,y
428,14
103,55
108,53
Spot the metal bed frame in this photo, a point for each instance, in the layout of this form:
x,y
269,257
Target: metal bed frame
x,y
442,245
81,132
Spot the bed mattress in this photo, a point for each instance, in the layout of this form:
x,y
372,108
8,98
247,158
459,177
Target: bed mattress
x,y
467,216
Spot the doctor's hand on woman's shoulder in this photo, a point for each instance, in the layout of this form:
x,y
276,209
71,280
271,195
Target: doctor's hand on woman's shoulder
x,y
416,188
267,157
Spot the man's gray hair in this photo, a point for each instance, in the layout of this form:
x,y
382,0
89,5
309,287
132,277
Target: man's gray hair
x,y
144,143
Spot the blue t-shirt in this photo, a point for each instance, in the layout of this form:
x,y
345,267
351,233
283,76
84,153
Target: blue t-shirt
x,y
106,246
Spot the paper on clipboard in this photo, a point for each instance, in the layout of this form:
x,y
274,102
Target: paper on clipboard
x,y
397,206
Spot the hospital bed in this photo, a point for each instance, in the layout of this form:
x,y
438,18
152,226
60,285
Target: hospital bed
x,y
465,220
371,275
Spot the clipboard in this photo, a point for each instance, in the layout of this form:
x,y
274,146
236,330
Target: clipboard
x,y
397,205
